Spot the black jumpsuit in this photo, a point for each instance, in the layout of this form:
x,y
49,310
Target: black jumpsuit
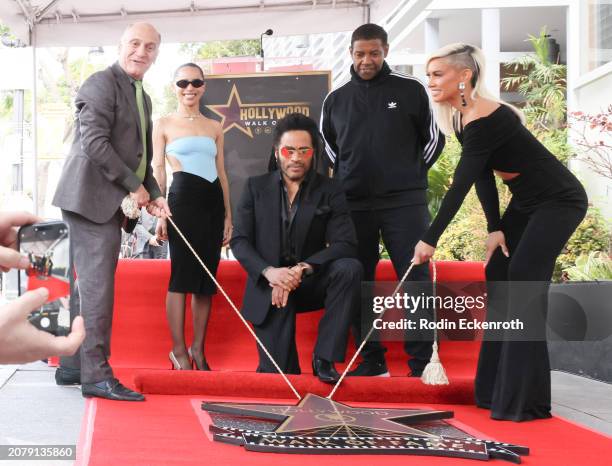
x,y
547,204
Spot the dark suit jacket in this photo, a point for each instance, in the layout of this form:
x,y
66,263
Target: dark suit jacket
x,y
323,226
100,169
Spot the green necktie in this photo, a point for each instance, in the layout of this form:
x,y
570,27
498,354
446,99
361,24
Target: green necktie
x,y
142,168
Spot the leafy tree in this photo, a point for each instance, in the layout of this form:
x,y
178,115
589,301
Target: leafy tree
x,y
542,82
223,48
440,175
557,143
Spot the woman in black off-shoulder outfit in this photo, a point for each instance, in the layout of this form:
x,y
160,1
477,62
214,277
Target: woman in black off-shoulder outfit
x,y
548,203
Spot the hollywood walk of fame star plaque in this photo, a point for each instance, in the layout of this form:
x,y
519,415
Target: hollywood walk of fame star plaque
x,y
318,425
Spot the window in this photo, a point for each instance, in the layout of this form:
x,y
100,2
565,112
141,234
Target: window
x,y
600,33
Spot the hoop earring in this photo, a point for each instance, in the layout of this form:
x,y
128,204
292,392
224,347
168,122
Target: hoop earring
x,y
462,94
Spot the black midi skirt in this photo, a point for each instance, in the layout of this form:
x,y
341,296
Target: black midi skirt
x,y
198,211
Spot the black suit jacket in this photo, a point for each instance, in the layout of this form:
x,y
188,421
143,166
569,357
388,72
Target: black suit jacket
x,y
323,226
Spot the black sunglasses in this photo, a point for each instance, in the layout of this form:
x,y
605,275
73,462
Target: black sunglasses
x,y
183,83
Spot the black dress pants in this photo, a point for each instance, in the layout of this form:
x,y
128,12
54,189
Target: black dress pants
x,y
336,288
513,377
401,229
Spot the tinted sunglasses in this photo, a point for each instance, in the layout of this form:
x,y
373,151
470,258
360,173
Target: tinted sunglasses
x,y
288,152
183,83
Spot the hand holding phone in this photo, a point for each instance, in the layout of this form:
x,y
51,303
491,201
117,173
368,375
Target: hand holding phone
x,y
19,341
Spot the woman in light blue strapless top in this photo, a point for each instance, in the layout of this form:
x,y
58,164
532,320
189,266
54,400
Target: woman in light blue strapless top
x,y
192,145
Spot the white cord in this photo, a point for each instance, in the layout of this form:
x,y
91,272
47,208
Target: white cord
x,y
352,361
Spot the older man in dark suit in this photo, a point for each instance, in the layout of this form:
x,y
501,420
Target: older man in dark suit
x,y
294,236
109,158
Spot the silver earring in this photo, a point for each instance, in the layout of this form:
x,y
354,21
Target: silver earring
x,y
461,89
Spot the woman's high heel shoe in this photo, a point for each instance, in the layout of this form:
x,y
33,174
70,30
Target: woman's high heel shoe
x,y
176,365
204,366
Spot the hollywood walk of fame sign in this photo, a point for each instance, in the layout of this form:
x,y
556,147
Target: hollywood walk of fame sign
x,y
246,117
248,108
319,425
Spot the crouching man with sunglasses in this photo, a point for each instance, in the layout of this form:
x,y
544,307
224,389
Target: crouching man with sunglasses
x,y
294,236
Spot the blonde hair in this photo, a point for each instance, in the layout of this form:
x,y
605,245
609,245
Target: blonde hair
x,y
464,56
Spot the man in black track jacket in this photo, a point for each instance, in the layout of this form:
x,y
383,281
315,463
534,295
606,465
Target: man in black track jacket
x,y
381,138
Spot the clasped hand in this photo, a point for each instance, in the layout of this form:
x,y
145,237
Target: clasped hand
x,y
283,281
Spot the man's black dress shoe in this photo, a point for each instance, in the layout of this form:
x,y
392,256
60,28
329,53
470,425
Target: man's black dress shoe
x,y
111,389
67,376
325,370
370,369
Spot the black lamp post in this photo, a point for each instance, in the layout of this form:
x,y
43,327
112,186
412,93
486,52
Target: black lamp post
x,y
268,32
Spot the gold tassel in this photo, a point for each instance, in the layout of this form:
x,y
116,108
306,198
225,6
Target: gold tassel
x,y
434,373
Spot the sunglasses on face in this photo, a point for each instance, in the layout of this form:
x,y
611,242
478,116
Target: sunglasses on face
x,y
183,83
288,152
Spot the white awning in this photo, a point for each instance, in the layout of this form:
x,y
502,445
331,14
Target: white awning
x,y
93,23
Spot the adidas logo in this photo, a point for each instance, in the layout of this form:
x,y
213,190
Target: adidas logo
x,y
392,105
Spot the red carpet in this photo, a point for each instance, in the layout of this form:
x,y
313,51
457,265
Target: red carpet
x,y
169,430
389,389
141,342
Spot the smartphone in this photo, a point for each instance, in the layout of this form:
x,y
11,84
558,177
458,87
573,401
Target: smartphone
x,y
47,245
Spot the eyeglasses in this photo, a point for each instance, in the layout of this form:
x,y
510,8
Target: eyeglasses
x,y
183,83
288,152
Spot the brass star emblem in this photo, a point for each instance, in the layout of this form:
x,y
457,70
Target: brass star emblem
x,y
230,113
314,412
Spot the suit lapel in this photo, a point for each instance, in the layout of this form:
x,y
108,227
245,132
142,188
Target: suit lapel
x,y
304,215
149,120
128,91
272,215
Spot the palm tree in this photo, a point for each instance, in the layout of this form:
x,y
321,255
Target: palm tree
x,y
542,82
